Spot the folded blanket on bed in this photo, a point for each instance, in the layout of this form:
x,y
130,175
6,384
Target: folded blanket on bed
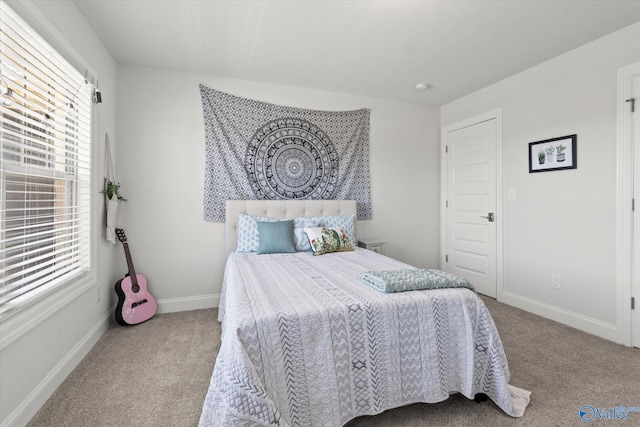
x,y
413,279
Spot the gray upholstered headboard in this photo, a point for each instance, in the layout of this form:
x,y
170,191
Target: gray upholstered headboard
x,y
283,209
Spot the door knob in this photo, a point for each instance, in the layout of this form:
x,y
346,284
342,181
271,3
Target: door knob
x,y
489,217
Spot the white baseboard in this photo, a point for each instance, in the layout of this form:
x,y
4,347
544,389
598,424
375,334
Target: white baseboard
x,y
172,305
587,324
39,395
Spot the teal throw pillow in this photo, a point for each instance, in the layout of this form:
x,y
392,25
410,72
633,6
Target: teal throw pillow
x,y
275,237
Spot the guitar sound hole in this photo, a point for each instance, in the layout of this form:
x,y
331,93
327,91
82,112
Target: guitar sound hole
x,y
135,289
137,303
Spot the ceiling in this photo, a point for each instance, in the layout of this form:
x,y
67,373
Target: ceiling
x,y
370,48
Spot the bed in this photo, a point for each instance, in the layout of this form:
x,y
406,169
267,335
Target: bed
x,y
306,343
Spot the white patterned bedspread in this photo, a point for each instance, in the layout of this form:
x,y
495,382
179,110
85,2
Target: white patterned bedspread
x,y
305,343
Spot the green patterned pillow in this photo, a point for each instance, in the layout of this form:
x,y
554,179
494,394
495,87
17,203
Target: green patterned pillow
x,y
324,240
346,222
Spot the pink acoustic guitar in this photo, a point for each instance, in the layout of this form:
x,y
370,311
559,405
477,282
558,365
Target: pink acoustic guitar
x,y
135,303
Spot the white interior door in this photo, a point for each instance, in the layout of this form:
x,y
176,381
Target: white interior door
x,y
471,250
635,314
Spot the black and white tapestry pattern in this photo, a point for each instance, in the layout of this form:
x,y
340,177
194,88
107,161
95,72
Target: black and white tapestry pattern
x,y
292,159
257,150
304,343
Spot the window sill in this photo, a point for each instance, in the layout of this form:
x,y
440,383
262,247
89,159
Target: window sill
x,y
19,320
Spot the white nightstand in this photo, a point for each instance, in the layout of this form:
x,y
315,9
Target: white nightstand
x,y
372,245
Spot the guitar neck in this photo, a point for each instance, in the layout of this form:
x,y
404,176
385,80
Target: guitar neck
x,y
132,270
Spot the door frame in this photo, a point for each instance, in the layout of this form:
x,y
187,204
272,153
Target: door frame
x,y
444,130
624,214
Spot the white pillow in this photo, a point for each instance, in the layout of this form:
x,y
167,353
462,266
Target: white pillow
x,y
300,238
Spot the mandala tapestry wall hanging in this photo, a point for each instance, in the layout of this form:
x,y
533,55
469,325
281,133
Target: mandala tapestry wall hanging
x,y
257,150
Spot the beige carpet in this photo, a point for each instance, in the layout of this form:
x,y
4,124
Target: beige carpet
x,y
152,374
157,374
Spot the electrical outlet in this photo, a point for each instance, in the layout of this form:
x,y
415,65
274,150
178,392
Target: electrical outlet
x,y
98,296
555,281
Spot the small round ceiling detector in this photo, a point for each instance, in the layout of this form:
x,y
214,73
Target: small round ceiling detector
x,y
422,86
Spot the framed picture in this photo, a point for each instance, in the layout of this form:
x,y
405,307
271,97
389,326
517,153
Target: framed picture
x,y
553,154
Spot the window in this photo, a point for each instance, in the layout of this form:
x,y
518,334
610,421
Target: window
x,y
45,159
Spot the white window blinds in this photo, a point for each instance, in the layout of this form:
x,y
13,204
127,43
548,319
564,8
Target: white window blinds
x,y
44,166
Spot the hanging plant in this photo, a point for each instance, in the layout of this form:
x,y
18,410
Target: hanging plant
x,y
111,188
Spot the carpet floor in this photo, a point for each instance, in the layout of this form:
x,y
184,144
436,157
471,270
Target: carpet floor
x,y
157,374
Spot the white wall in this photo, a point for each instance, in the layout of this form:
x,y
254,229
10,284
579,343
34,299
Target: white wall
x,y
161,159
563,222
32,366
